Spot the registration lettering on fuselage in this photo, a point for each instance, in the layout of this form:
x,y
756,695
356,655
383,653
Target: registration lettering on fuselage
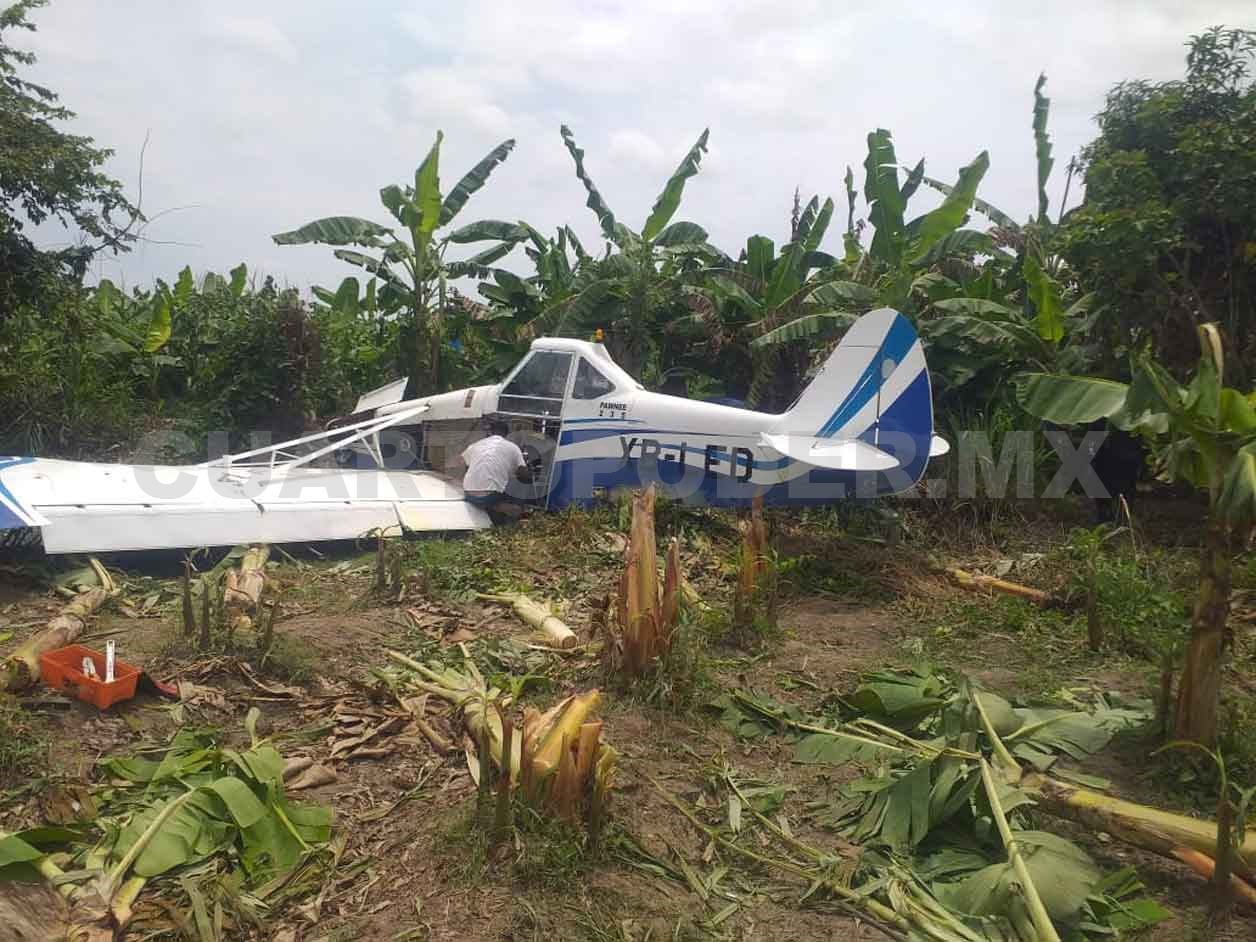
x,y
735,461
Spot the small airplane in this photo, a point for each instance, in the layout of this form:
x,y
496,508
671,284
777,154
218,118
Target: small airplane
x,y
863,427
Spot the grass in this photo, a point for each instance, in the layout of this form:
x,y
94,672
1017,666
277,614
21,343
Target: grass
x,y
454,568
22,751
541,853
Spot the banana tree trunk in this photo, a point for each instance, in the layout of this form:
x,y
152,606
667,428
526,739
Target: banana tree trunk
x,y
1200,686
1160,832
21,669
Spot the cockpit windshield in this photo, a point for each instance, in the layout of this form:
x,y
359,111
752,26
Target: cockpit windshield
x,y
539,385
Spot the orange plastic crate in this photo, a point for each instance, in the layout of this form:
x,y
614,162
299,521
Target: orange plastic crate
x,y
62,669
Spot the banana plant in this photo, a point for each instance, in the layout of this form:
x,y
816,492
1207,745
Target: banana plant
x,y
746,310
522,308
1209,431
141,325
1038,275
901,266
634,290
412,267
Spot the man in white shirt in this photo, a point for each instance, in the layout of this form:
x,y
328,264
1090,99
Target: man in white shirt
x,y
491,464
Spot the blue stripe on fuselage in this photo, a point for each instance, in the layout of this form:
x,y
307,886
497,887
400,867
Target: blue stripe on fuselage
x,y
9,520
577,480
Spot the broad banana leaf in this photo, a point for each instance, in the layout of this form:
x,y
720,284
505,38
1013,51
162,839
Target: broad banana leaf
x,y
681,233
605,218
159,323
474,179
811,260
576,312
669,200
993,213
786,278
185,287
1154,390
347,294
912,183
427,195
1237,501
239,276
400,202
806,326
1070,400
486,229
760,257
976,307
1042,107
1063,874
1236,412
967,332
1203,394
1045,294
336,230
806,219
883,196
728,289
948,217
815,232
376,267
842,294
962,242
576,245
849,180
481,260
108,297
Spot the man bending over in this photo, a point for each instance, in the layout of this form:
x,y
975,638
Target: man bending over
x,y
491,463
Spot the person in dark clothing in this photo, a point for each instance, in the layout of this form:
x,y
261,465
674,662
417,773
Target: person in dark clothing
x,y
1118,463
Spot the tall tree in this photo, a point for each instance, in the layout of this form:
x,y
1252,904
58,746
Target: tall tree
x,y
1167,233
46,173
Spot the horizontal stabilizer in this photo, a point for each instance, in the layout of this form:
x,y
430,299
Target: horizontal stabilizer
x,y
938,446
387,395
833,454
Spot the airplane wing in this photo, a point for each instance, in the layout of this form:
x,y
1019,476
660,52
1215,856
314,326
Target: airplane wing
x,y
833,454
273,494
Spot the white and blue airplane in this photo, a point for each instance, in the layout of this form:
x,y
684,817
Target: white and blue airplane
x,y
863,427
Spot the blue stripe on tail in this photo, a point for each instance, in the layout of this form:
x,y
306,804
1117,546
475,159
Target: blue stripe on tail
x,y
895,346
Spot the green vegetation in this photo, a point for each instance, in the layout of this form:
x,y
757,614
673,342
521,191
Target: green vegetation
x,y
21,749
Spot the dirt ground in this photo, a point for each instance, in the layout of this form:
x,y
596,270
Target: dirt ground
x,y
411,867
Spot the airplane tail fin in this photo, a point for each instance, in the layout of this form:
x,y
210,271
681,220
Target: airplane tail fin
x,y
874,388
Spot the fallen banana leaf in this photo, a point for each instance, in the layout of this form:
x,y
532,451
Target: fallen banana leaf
x,y
186,803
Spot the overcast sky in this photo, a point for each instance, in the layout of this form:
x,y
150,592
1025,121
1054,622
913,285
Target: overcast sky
x,y
266,114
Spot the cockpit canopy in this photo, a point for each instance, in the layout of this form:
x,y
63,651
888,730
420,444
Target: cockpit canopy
x,y
557,369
